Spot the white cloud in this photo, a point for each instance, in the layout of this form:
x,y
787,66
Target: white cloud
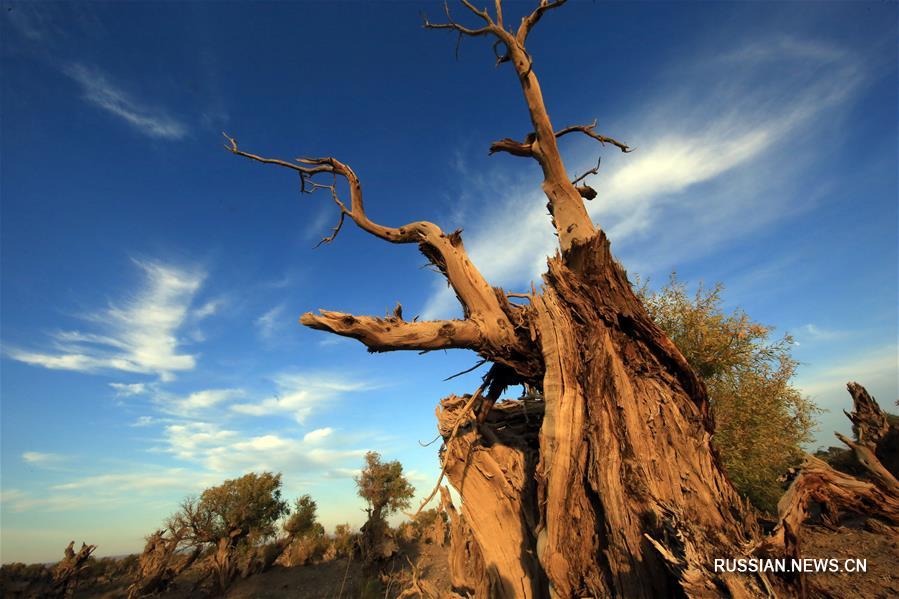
x,y
199,400
270,321
188,440
230,452
710,158
99,90
144,421
208,309
134,482
129,389
318,434
138,335
877,366
812,332
301,394
38,458
17,500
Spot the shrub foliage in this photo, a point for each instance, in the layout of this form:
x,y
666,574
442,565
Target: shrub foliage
x,y
761,419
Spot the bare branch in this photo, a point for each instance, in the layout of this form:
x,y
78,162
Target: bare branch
x,y
588,130
334,231
490,27
587,192
467,370
459,419
481,13
528,22
592,171
389,334
511,146
446,252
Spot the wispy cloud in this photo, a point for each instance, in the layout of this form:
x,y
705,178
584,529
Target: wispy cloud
x,y
223,451
196,402
38,458
875,367
702,141
98,89
812,332
129,389
208,309
17,500
138,335
29,20
300,394
270,321
134,482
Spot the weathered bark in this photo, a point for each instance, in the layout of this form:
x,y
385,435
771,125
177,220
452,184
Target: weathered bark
x,y
160,564
468,574
68,571
834,492
492,468
636,501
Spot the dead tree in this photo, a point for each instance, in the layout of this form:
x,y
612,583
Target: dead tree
x,y
160,563
69,569
611,487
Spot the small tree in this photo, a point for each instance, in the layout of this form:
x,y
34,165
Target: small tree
x,y
233,515
386,490
303,519
761,419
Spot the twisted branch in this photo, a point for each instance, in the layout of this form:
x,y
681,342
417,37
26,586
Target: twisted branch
x,y
486,327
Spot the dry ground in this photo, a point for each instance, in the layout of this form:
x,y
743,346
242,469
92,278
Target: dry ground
x,y
345,578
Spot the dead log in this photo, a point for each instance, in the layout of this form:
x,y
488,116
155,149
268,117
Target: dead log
x,y
835,493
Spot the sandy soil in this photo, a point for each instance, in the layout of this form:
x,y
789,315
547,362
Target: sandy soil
x,y
346,579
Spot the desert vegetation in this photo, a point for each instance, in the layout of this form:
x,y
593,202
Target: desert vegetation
x,y
242,539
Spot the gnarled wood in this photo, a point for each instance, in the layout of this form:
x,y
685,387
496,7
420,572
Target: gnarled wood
x,y
69,569
160,563
836,493
468,573
494,476
625,448
388,334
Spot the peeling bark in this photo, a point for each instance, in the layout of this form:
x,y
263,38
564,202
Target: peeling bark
x,y
493,472
637,503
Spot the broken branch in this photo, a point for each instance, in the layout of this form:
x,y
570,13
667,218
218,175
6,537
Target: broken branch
x,y
389,334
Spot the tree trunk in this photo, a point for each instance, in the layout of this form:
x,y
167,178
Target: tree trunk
x,y
637,503
492,468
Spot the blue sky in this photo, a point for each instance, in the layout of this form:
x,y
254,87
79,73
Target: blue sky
x,y
151,281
